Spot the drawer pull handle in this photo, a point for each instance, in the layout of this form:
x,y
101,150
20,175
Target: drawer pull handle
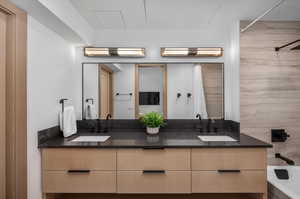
x,y
78,171
153,147
154,171
229,171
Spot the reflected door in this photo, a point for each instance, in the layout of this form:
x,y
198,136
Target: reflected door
x,y
105,93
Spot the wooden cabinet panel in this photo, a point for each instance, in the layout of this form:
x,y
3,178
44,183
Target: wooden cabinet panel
x,y
66,159
240,182
168,182
165,159
92,182
242,158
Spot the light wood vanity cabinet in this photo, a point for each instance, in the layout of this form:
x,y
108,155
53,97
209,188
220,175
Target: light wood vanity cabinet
x,y
153,171
199,170
154,182
229,170
160,159
79,170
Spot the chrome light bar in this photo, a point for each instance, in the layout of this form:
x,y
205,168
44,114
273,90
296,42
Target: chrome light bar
x,y
191,52
113,52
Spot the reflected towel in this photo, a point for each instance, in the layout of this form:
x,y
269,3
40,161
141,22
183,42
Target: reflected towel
x,y
90,112
68,121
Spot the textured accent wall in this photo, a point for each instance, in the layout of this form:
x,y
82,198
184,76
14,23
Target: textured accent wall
x,y
270,85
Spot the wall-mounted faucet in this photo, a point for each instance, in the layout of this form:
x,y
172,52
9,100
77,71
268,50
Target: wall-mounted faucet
x,y
287,160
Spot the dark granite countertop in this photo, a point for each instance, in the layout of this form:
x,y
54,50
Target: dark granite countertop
x,y
179,139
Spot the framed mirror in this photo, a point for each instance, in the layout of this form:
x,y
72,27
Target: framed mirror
x,y
129,90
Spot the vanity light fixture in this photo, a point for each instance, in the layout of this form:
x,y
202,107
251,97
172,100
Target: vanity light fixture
x,y
191,52
113,52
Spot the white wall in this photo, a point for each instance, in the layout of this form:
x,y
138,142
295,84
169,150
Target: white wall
x,y
180,80
49,78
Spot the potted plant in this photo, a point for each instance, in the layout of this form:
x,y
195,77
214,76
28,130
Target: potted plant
x,y
153,121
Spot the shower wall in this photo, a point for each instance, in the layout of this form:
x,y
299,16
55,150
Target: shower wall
x,y
270,85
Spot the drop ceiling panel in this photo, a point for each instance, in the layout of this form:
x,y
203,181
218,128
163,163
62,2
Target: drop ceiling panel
x,y
181,14
112,14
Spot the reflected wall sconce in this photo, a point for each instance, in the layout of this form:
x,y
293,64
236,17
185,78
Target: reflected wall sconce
x,y
191,52
113,52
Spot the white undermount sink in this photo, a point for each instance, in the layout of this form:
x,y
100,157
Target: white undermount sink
x,y
90,139
216,138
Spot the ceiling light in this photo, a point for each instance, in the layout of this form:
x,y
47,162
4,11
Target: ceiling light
x,y
121,52
191,52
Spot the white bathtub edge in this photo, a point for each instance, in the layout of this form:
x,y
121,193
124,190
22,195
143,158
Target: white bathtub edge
x,y
286,190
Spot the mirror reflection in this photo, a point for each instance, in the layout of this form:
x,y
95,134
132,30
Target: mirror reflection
x,y
176,90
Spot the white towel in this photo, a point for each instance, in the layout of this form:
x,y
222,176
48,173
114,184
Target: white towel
x,y
90,112
68,121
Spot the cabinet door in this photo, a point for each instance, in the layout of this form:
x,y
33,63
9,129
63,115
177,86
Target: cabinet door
x,y
229,182
239,158
143,182
79,182
66,159
165,159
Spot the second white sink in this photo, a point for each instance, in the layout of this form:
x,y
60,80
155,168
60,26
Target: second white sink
x,y
216,138
90,139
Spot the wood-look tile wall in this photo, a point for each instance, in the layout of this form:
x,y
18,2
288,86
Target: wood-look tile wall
x,y
270,85
213,89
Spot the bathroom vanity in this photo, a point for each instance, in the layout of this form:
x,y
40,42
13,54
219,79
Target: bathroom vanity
x,y
173,162
176,161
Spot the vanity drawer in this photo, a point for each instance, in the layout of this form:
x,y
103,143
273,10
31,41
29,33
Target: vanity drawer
x,y
151,182
229,182
165,159
66,159
79,182
224,158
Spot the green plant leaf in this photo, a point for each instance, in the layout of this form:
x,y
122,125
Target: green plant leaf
x,y
153,120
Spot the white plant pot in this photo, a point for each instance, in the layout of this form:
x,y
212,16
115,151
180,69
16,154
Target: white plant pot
x,y
153,131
